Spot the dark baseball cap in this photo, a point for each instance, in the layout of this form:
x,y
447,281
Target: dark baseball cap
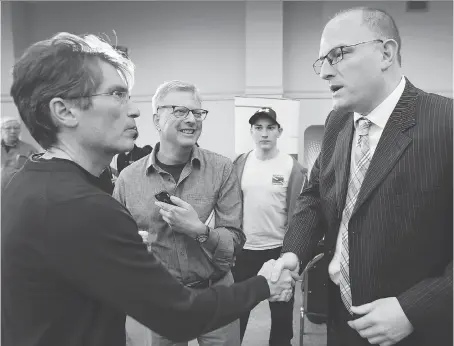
x,y
264,112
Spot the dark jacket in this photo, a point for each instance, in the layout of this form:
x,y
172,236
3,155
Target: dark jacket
x,y
124,160
73,266
400,232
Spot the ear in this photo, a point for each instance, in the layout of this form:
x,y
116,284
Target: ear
x,y
280,130
390,48
156,119
63,113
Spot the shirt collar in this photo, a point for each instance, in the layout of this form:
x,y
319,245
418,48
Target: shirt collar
x,y
9,146
380,115
196,156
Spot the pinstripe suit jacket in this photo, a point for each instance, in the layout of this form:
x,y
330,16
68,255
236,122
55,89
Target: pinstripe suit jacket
x,y
401,230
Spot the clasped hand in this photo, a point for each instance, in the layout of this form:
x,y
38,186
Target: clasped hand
x,y
181,217
282,288
383,322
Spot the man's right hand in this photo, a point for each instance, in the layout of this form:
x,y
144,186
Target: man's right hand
x,y
144,235
281,289
287,261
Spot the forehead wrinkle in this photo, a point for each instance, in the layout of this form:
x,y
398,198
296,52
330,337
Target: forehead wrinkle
x,y
182,101
346,25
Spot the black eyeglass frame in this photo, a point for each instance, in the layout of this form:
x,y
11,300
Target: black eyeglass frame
x,y
317,65
173,107
122,96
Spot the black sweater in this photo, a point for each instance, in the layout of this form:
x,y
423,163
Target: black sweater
x,y
73,265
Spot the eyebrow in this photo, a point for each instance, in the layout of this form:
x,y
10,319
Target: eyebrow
x,y
272,125
336,46
116,87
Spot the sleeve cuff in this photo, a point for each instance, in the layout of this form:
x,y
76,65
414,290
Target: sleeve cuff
x,y
263,290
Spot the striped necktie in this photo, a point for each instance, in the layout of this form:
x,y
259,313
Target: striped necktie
x,y
361,160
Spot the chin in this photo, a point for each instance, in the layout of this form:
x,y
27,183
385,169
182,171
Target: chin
x,y
342,105
127,146
188,142
12,141
266,146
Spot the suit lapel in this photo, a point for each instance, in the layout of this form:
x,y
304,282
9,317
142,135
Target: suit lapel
x,y
342,155
392,143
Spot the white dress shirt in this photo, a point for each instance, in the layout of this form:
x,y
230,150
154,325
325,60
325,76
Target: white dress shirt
x,y
379,117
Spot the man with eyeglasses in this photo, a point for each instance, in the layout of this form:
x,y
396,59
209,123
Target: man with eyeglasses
x,y
201,184
380,192
73,262
14,151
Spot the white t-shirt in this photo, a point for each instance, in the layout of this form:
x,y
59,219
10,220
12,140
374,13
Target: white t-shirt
x,y
264,185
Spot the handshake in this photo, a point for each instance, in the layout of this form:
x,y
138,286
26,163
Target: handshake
x,y
281,279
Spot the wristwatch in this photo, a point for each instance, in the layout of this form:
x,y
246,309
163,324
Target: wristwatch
x,y
202,238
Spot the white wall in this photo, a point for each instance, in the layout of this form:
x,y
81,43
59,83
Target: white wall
x,y
205,43
427,51
427,43
7,58
12,37
199,42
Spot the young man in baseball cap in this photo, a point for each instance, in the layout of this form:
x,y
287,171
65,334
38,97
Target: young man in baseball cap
x,y
271,181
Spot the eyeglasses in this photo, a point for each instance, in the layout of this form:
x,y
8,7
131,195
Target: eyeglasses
x,y
120,96
183,112
335,55
11,128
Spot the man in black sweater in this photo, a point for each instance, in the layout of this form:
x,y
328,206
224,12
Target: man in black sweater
x,y
73,263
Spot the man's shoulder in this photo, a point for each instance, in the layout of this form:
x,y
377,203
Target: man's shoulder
x,y
442,104
214,159
91,206
296,164
27,147
240,159
337,118
67,188
135,170
60,188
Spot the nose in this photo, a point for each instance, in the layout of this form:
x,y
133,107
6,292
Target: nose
x,y
133,111
190,118
327,70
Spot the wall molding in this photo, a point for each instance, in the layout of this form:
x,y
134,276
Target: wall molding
x,y
4,98
314,95
230,95
146,98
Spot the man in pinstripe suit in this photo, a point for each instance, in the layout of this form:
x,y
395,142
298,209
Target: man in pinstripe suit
x,y
380,193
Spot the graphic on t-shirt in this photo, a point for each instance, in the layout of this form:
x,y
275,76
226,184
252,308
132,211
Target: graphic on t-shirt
x,y
278,179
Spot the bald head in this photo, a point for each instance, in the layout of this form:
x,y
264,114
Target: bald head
x,y
380,23
359,57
